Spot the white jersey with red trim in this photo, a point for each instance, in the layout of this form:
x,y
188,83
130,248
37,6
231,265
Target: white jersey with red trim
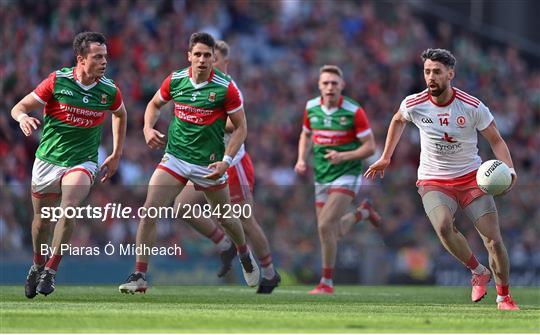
x,y
448,133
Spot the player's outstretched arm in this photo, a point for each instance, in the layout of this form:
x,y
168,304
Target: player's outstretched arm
x,y
304,145
20,114
153,138
500,149
395,130
119,125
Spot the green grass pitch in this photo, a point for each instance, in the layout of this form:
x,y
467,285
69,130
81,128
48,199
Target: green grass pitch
x,y
236,309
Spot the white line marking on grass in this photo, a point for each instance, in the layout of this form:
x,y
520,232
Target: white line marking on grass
x,y
288,291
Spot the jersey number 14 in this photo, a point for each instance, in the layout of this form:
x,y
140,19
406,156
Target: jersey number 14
x,y
443,121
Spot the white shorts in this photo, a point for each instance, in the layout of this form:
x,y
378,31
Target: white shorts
x,y
184,171
47,177
345,184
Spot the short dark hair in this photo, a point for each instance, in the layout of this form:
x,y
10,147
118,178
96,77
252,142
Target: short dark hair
x,y
223,48
439,55
81,42
204,38
331,69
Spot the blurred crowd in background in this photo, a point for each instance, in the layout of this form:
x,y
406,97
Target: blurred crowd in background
x,y
277,48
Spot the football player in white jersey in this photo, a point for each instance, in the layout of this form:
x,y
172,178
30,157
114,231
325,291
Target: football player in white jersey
x,y
448,120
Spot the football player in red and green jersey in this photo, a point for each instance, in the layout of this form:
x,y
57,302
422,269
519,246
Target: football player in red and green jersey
x,y
241,181
203,99
77,100
342,137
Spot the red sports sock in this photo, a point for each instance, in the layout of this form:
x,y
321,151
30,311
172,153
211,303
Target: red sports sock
x,y
472,263
53,262
328,273
39,259
266,260
242,249
141,267
502,290
217,235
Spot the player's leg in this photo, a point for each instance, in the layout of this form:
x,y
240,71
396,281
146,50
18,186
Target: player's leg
x,y
163,187
321,196
261,248
75,186
440,209
483,212
205,226
335,207
365,211
241,183
219,197
232,225
41,228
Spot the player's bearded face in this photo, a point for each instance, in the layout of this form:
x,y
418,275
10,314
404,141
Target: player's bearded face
x,y
201,58
95,62
437,77
331,85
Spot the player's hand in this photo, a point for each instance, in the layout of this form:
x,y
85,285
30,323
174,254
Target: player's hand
x,y
154,139
377,167
219,170
110,165
514,179
300,168
334,157
28,124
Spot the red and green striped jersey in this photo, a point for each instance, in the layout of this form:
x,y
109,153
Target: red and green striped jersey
x,y
196,131
73,116
337,129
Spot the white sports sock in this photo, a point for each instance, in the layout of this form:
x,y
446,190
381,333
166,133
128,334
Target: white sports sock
x,y
328,282
364,213
224,244
480,269
268,272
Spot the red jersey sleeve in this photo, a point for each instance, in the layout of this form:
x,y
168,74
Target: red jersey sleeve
x,y
361,123
306,126
44,91
233,99
117,100
165,89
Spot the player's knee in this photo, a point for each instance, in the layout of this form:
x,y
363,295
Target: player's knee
x,y
329,218
229,222
39,223
445,228
325,228
182,212
248,223
71,201
493,244
151,204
